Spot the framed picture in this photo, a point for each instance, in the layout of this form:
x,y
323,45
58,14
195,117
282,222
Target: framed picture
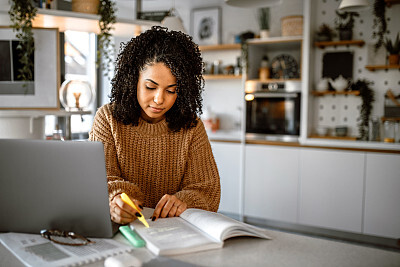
x,y
206,26
42,91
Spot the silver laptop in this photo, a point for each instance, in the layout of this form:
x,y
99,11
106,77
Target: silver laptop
x,y
54,185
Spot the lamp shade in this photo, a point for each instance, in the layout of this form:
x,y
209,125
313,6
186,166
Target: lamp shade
x,y
353,5
252,3
173,23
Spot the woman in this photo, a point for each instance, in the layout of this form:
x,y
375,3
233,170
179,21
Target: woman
x,y
156,147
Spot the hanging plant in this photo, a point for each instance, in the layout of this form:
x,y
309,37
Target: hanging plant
x,y
380,24
22,12
367,98
344,22
105,50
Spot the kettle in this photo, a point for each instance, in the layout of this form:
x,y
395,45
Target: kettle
x,y
340,83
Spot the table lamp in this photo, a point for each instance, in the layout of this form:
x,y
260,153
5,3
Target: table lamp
x,y
76,95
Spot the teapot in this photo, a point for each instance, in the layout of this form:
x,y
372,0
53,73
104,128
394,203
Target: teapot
x,y
340,83
323,85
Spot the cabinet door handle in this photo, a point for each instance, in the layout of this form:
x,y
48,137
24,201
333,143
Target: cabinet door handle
x,y
275,95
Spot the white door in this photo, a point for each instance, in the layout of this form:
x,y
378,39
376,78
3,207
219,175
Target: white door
x,y
382,195
271,182
331,189
227,157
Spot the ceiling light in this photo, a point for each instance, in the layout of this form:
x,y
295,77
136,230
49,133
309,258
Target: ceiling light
x,y
173,22
353,5
252,3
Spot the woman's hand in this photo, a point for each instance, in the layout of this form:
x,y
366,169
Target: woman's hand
x,y
121,212
169,206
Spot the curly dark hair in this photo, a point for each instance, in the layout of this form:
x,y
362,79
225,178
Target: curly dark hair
x,y
179,53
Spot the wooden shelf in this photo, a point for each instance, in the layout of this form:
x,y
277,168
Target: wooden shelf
x,y
272,40
274,80
351,138
390,118
221,77
75,21
316,93
219,47
382,67
359,43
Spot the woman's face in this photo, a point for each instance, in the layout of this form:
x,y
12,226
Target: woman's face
x,y
156,91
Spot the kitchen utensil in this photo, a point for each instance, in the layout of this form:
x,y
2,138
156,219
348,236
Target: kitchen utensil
x,y
340,83
323,85
341,131
322,130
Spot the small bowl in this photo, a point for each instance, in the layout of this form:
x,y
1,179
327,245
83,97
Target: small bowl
x,y
341,131
322,130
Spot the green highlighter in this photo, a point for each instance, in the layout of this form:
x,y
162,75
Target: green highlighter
x,y
132,236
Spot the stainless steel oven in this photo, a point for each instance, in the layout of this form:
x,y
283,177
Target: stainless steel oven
x,y
273,110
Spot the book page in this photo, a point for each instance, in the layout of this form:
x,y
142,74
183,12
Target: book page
x,y
220,226
169,236
34,250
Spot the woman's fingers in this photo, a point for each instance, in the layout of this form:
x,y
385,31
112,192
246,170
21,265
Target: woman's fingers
x,y
169,206
122,212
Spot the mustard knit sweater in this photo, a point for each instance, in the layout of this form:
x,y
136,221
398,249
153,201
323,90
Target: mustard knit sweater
x,y
148,161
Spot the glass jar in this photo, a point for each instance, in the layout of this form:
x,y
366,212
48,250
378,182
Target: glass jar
x,y
389,131
374,129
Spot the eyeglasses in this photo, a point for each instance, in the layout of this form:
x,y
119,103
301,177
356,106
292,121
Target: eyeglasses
x,y
65,237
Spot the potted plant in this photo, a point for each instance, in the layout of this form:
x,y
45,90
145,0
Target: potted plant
x,y
324,33
367,98
345,23
263,20
393,48
105,50
380,24
22,12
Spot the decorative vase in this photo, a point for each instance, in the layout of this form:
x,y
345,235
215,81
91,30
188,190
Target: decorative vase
x,y
345,34
264,34
264,73
394,59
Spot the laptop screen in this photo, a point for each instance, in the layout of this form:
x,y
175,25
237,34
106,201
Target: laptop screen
x,y
54,185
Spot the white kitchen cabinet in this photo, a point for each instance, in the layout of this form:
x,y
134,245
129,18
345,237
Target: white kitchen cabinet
x,y
227,157
382,195
331,189
271,182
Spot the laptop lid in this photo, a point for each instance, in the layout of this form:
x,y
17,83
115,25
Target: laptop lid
x,y
54,185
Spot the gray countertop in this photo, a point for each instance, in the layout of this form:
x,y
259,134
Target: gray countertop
x,y
237,136
284,249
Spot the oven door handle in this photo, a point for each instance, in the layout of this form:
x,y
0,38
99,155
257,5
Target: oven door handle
x,y
275,95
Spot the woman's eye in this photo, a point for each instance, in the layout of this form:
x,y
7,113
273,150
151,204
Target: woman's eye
x,y
171,92
150,88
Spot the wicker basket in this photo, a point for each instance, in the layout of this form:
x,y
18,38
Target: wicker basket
x,y
86,6
292,25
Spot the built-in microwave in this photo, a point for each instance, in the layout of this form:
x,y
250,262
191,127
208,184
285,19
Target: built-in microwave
x,y
273,110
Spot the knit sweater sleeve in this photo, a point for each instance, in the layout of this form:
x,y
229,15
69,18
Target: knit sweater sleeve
x,y
201,184
102,130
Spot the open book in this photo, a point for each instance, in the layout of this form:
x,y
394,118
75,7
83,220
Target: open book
x,y
195,230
